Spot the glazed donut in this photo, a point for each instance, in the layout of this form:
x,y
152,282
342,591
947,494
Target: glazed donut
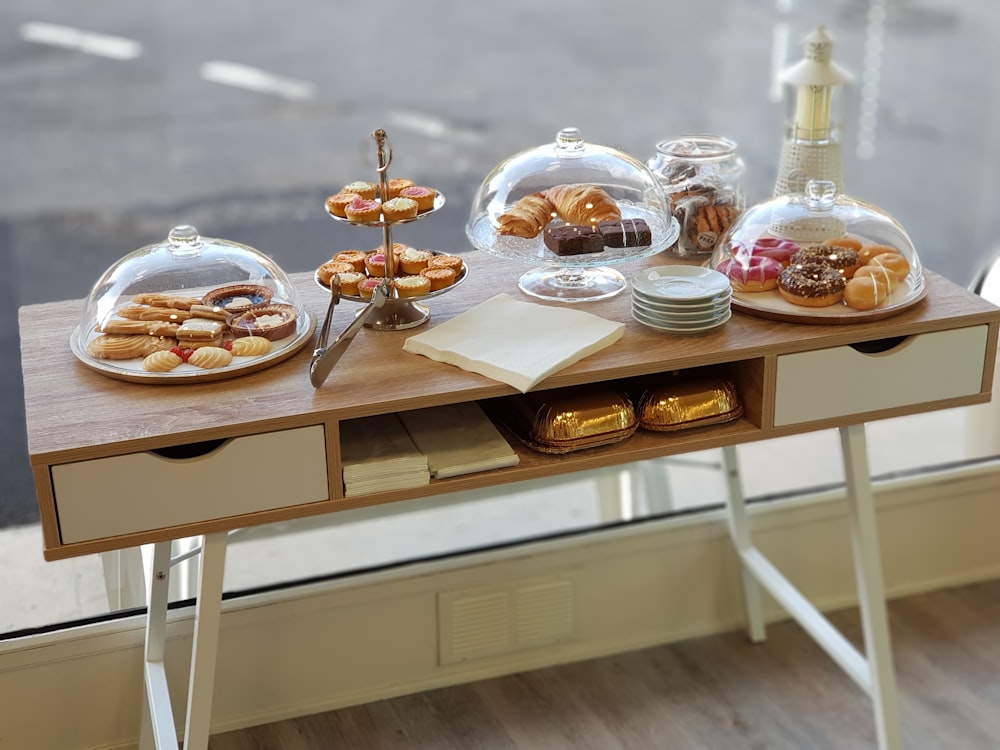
x,y
868,252
880,274
811,284
776,248
865,292
753,274
843,259
851,243
893,263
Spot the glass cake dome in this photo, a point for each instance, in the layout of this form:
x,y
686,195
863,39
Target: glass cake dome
x,y
532,193
189,292
820,225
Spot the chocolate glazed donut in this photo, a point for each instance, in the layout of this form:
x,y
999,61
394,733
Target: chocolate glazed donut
x,y
811,285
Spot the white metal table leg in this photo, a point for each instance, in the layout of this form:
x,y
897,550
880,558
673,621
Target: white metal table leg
x,y
871,591
157,728
205,641
739,530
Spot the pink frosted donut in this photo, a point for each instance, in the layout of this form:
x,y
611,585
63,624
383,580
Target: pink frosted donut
x,y
753,274
775,248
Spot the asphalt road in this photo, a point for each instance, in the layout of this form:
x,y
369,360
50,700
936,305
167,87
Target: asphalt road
x,y
121,120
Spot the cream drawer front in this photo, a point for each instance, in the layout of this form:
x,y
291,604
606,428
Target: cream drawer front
x,y
143,491
842,381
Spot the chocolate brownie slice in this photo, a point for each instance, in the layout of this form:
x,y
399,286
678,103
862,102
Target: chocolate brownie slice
x,y
571,239
626,233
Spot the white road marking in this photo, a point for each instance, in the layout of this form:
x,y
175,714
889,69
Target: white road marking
x,y
68,37
255,79
431,127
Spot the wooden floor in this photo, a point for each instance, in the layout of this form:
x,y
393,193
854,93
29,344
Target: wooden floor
x,y
715,693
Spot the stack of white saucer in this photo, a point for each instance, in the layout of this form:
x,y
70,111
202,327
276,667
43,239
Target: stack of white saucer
x,y
681,299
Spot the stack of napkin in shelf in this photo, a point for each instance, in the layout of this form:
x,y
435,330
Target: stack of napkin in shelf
x,y
458,439
379,455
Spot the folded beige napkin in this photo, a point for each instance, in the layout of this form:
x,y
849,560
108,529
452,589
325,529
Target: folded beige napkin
x,y
518,343
378,454
458,439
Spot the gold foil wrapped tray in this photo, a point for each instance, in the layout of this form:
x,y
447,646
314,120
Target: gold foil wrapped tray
x,y
684,403
569,419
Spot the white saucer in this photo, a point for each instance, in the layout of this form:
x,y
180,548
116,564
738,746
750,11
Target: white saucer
x,y
679,284
712,303
682,327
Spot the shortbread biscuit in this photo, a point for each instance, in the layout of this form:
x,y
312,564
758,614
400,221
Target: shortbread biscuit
x,y
209,312
145,312
166,300
210,357
148,327
250,346
200,329
126,346
161,361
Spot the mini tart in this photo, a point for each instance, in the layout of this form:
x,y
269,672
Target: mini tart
x,y
439,277
326,271
424,196
362,209
337,204
367,288
412,286
238,297
446,261
349,282
273,322
395,185
375,264
395,209
355,257
413,261
366,190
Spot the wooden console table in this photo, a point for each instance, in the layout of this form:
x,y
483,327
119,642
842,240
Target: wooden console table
x,y
266,447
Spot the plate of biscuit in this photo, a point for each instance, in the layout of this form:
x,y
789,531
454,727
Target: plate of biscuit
x,y
173,338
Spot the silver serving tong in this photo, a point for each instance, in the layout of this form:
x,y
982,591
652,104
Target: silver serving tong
x,y
325,357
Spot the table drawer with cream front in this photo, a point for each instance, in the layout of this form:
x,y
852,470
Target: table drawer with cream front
x,y
848,380
139,492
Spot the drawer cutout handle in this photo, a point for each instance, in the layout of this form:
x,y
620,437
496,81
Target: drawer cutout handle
x,y
879,346
190,450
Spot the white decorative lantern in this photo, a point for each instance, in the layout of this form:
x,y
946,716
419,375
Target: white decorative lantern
x,y
811,149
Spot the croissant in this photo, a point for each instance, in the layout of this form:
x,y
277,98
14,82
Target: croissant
x,y
582,204
527,217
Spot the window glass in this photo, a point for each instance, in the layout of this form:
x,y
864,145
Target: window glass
x,y
125,119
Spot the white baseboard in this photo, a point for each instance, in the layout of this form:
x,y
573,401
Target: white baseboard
x,y
363,638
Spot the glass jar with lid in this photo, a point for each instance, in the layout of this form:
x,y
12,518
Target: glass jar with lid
x,y
703,178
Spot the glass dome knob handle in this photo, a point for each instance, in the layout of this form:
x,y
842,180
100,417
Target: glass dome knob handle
x,y
184,240
569,142
821,195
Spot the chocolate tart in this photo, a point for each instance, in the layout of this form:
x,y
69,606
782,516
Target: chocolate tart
x,y
273,322
237,298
